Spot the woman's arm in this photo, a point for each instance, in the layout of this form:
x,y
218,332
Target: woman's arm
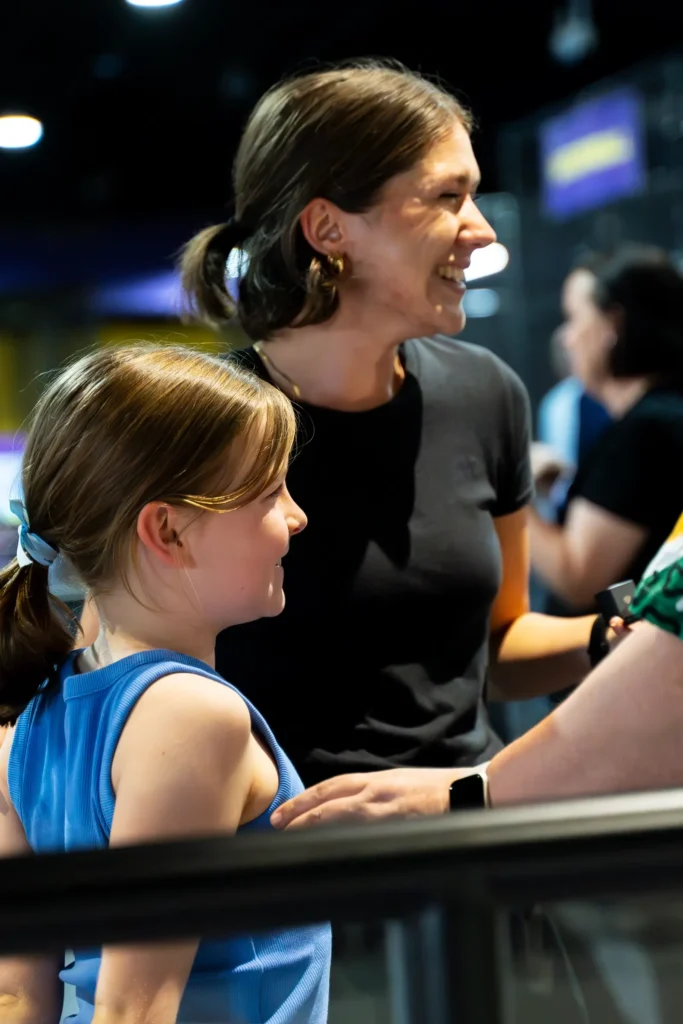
x,y
591,551
619,732
30,990
181,768
531,654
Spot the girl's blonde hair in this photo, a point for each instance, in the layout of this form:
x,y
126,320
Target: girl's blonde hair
x,y
115,430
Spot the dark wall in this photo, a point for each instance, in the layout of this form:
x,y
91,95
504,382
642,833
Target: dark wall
x,y
548,248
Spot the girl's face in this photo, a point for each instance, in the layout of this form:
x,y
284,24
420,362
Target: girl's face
x,y
237,572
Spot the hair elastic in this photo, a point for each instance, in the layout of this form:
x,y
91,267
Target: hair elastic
x,y
31,547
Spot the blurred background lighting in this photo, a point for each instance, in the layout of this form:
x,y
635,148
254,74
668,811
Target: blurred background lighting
x,y
153,3
485,262
481,302
18,131
149,295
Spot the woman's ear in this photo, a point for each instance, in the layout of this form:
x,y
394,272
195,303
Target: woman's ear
x,y
323,227
159,527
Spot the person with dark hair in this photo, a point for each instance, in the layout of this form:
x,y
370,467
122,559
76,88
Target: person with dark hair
x,y
158,475
355,213
624,336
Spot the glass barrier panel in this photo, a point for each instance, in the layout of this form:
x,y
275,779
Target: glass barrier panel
x,y
602,961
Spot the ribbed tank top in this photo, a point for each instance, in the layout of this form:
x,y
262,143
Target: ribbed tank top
x,y
59,778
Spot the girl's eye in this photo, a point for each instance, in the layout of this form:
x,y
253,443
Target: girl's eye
x,y
277,492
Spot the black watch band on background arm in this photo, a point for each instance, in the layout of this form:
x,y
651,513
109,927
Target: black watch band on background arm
x,y
598,645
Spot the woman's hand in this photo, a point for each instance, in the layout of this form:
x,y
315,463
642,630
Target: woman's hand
x,y
546,467
619,630
371,796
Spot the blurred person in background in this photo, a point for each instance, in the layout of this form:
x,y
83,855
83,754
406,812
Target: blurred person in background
x,y
178,528
355,208
569,423
569,419
624,337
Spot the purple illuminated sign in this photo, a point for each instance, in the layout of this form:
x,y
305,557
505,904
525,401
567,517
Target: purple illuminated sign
x,y
593,154
11,453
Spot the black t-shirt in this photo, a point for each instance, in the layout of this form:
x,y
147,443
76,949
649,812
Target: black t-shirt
x,y
633,471
380,656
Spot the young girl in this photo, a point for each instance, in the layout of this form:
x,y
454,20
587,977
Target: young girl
x,y
158,475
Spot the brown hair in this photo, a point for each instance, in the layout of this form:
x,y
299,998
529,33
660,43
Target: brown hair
x,y
339,134
644,287
115,430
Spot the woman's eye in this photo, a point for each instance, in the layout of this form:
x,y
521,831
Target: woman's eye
x,y
460,197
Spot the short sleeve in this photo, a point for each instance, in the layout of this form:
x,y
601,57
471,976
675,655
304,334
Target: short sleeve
x,y
659,597
629,473
514,481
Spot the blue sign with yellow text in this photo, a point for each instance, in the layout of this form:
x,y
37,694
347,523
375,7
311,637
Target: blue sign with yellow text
x,y
593,154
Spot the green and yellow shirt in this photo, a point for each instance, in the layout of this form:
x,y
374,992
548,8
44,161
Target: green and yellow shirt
x,y
659,597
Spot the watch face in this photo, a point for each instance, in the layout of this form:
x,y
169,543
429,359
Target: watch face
x,y
468,794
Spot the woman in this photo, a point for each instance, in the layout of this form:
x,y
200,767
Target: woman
x,y
178,527
355,203
624,337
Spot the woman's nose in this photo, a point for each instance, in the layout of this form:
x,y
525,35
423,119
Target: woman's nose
x,y
477,230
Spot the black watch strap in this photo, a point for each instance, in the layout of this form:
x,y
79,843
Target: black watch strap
x,y
598,646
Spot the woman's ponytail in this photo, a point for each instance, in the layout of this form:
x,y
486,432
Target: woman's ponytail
x,y
36,634
203,271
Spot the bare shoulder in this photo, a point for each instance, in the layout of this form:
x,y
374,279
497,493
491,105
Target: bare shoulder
x,y
184,713
13,839
202,698
182,765
6,737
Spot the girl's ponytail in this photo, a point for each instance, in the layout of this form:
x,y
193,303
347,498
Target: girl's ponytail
x,y
36,630
36,634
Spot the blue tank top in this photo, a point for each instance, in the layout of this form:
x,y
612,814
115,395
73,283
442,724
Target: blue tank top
x,y
71,733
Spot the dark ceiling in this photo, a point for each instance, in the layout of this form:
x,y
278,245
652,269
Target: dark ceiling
x,y
142,107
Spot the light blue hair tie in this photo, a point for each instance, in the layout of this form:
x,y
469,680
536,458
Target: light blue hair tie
x,y
31,547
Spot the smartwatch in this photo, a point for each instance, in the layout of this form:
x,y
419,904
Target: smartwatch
x,y
470,793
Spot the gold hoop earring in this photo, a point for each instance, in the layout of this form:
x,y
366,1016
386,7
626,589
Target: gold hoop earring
x,y
320,290
336,264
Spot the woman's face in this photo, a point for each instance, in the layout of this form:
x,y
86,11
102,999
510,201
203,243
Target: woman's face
x,y
409,252
589,333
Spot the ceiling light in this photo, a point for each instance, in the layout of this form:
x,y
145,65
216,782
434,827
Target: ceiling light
x,y
574,35
18,131
152,3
